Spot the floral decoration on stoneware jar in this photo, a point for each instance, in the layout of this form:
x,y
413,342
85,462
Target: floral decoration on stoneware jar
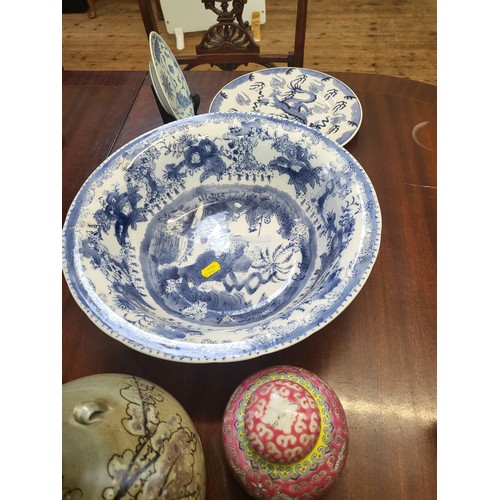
x,y
125,437
285,434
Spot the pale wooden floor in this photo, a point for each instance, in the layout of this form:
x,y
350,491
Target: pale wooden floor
x,y
391,37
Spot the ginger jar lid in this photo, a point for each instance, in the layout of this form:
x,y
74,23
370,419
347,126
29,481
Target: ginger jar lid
x,y
285,434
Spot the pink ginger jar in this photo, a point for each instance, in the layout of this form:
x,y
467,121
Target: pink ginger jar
x,y
285,434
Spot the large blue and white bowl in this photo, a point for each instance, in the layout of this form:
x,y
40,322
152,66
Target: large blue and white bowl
x,y
221,237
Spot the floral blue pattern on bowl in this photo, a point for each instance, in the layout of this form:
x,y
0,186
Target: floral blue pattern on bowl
x,y
221,237
304,95
173,91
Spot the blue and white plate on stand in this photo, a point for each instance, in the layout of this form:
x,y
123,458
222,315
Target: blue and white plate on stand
x,y
166,74
221,237
157,88
310,97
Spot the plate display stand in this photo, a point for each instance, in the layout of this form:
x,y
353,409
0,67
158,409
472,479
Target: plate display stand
x,y
167,117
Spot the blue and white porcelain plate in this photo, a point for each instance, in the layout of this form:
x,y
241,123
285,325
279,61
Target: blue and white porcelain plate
x,y
157,88
310,97
221,237
173,92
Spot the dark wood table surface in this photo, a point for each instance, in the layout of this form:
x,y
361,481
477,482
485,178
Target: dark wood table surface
x,y
379,355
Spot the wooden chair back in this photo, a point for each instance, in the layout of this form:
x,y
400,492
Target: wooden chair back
x,y
230,43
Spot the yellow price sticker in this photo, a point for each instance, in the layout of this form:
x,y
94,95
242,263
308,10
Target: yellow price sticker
x,y
211,269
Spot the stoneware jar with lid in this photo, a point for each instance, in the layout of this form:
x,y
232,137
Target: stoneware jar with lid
x,y
126,437
285,434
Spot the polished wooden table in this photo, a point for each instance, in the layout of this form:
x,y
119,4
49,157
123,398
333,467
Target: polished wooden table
x,y
379,355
